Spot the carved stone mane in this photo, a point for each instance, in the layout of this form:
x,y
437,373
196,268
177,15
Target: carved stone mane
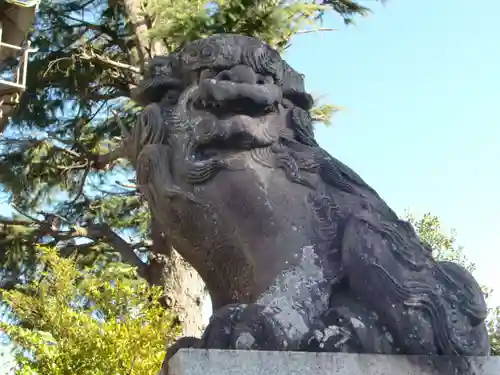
x,y
297,251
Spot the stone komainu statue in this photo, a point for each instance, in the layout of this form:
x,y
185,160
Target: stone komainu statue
x,y
297,251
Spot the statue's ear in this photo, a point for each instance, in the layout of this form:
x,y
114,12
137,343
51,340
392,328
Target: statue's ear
x,y
162,74
300,99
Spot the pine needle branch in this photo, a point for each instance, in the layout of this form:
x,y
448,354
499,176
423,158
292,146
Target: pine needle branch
x,y
94,57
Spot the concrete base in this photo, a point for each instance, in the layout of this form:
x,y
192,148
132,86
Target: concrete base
x,y
224,362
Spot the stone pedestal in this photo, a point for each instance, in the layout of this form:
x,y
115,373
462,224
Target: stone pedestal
x,y
222,362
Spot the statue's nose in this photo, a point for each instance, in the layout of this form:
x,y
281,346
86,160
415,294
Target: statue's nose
x,y
237,89
238,74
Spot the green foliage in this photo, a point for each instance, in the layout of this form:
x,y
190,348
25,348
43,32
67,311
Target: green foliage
x,y
444,247
494,330
324,113
91,321
272,21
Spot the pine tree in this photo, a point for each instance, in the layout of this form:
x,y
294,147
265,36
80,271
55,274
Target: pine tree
x,y
61,163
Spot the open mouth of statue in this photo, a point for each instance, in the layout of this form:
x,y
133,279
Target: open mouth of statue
x,y
220,149
235,117
229,108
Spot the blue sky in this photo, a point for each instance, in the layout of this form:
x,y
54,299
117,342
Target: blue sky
x,y
419,81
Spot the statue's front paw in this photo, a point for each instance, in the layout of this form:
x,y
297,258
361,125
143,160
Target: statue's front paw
x,y
242,326
348,327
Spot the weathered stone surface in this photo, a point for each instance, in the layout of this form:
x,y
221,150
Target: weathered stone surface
x,y
296,250
225,362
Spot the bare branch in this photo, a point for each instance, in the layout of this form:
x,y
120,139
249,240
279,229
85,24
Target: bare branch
x,y
94,232
126,186
104,232
62,149
307,31
21,212
92,56
13,222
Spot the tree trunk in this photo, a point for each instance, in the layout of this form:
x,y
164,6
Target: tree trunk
x,y
185,291
140,25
